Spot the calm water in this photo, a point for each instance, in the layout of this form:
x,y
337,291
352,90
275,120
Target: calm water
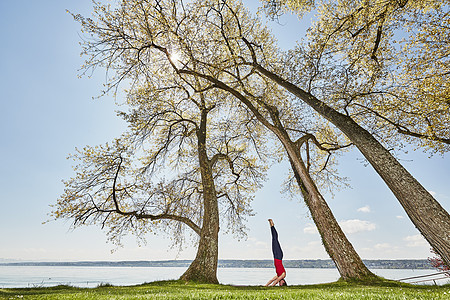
x,y
25,276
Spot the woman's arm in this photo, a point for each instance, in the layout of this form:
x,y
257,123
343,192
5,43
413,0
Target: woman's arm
x,y
278,278
272,280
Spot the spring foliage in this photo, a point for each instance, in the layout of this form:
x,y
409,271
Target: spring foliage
x,y
385,63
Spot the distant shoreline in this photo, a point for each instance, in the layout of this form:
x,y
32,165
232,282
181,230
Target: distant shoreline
x,y
234,263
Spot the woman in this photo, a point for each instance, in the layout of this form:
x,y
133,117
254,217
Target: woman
x,y
277,257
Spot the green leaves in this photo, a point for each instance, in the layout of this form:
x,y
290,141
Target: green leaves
x,y
186,138
385,63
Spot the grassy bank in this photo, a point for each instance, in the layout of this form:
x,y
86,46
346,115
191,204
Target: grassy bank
x,y
181,290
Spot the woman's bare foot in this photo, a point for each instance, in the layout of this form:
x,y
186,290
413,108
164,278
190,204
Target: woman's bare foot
x,y
270,222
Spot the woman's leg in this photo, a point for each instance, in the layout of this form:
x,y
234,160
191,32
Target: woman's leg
x,y
276,248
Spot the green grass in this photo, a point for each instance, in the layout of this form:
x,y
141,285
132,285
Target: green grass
x,y
182,290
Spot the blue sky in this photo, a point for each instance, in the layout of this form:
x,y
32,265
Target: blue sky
x,y
48,111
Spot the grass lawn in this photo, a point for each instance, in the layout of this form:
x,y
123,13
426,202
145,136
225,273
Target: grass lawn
x,y
182,290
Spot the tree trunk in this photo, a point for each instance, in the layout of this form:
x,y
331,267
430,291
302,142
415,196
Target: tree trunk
x,y
204,266
338,247
429,217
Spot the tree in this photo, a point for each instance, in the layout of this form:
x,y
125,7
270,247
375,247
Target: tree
x,y
196,141
352,42
397,50
200,43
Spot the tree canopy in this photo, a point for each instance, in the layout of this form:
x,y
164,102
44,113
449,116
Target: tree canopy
x,y
188,160
152,172
385,64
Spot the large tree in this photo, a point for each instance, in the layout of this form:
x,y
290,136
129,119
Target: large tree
x,y
198,41
360,73
398,51
185,162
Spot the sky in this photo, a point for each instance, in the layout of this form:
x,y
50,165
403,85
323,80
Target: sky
x,y
47,111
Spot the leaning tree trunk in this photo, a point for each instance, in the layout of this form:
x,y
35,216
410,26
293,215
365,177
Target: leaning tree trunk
x,y
429,217
204,266
338,247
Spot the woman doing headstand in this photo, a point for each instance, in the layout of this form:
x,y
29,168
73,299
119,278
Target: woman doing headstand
x,y
277,257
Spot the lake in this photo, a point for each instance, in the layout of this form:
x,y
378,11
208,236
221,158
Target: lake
x,y
43,276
